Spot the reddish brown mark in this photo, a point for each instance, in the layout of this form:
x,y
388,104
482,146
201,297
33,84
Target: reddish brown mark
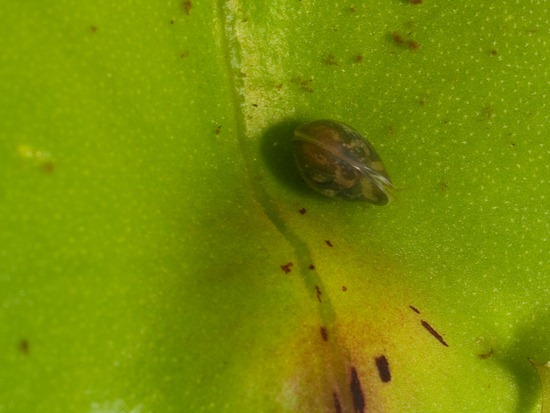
x,y
397,38
416,310
336,401
318,292
324,333
302,211
24,347
413,44
331,60
434,333
48,167
383,367
287,267
357,392
485,356
329,243
187,6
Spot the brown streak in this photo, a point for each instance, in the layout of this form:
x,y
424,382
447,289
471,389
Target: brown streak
x,y
318,292
416,310
434,333
337,405
357,392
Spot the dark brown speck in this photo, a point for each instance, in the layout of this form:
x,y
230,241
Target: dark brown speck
x,y
287,267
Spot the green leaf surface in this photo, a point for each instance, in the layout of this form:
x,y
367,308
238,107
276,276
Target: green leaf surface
x,y
160,253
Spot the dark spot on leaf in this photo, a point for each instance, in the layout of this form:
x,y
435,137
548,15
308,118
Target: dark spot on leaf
x,y
337,405
324,334
318,292
493,52
357,392
172,21
255,105
413,45
24,347
344,288
416,310
187,6
358,58
383,368
311,267
218,130
400,40
397,38
302,211
306,85
48,167
486,355
287,267
93,29
331,60
329,243
443,186
434,333
184,54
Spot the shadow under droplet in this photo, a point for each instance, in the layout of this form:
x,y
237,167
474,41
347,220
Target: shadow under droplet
x,y
276,149
529,343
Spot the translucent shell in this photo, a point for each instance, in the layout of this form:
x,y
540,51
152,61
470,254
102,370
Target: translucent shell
x,y
336,161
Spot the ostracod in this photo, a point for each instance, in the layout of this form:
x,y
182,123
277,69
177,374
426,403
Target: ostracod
x,y
336,161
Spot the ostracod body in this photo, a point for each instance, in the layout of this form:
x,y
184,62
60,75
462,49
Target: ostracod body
x,y
336,161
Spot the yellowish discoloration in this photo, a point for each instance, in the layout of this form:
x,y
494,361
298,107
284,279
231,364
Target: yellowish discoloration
x,y
36,157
